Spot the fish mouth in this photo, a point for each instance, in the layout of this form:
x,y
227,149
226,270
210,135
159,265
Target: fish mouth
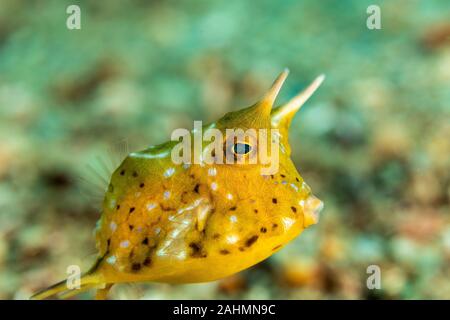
x,y
312,208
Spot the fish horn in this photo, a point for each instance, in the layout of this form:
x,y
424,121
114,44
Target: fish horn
x,y
286,112
267,101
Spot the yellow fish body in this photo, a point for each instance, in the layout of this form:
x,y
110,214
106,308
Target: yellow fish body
x,y
181,223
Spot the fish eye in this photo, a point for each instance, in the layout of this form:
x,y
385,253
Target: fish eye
x,y
241,148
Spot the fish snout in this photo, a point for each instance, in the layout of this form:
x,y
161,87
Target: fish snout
x,y
312,208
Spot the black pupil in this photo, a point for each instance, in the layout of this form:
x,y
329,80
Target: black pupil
x,y
241,148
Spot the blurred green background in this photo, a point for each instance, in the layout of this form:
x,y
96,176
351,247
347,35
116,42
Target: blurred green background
x,y
373,143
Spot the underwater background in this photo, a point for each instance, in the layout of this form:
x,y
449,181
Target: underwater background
x,y
373,142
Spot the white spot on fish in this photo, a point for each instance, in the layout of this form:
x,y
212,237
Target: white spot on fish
x,y
137,194
113,226
288,222
212,172
125,244
213,186
186,166
232,238
157,230
169,172
301,203
151,206
111,259
284,182
229,196
293,186
166,194
233,218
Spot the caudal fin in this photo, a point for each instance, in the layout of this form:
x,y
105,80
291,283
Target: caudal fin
x,y
62,290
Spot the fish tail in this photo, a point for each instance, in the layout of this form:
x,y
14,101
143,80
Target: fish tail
x,y
63,291
89,280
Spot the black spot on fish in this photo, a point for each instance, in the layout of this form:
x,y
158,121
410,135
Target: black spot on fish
x,y
274,226
141,185
294,209
274,200
263,229
197,186
296,179
132,209
255,210
135,174
197,250
122,172
118,207
224,251
131,227
282,175
277,247
147,262
145,241
136,267
251,240
233,208
195,247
